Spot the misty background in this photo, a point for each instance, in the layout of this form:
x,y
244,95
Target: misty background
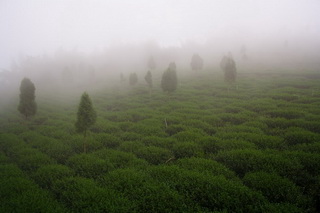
x,y
87,42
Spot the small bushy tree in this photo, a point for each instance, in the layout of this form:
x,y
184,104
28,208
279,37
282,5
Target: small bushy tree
x,y
86,116
169,79
196,62
133,79
228,66
27,105
148,79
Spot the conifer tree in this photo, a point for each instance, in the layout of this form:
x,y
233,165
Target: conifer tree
x,y
169,79
27,105
230,71
148,79
86,116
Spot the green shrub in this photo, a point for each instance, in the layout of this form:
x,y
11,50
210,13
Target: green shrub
x,y
46,175
166,142
281,208
148,195
120,159
311,147
107,140
83,195
130,136
174,129
243,161
295,136
29,159
89,165
131,146
186,149
8,141
191,135
207,166
147,130
10,170
277,189
225,145
214,193
154,155
19,194
235,119
285,113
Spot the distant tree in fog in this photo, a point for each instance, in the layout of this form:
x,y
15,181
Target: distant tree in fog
x,y
27,105
133,79
151,63
148,79
229,68
196,62
169,79
86,116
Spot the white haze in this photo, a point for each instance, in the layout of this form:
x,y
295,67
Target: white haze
x,y
84,42
36,27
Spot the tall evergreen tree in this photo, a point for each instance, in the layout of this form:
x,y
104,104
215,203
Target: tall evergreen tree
x,y
27,105
148,79
230,71
86,116
169,79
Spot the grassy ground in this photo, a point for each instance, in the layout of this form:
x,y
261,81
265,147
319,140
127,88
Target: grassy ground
x,y
209,147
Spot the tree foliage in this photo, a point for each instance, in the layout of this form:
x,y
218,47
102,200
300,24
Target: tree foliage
x,y
228,66
196,62
148,79
27,105
133,79
86,115
169,79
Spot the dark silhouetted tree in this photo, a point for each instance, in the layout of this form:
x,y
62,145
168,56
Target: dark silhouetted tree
x,y
86,116
196,62
133,79
27,105
151,63
148,79
169,79
230,70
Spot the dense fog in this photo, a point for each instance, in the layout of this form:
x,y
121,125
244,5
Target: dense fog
x,y
84,43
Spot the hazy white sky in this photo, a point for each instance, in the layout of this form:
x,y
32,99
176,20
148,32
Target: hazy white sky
x,y
34,27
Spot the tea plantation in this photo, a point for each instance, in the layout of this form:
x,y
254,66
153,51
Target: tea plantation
x,y
253,146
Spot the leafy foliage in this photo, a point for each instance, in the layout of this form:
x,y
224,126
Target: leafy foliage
x,y
196,62
27,105
148,78
86,115
169,79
